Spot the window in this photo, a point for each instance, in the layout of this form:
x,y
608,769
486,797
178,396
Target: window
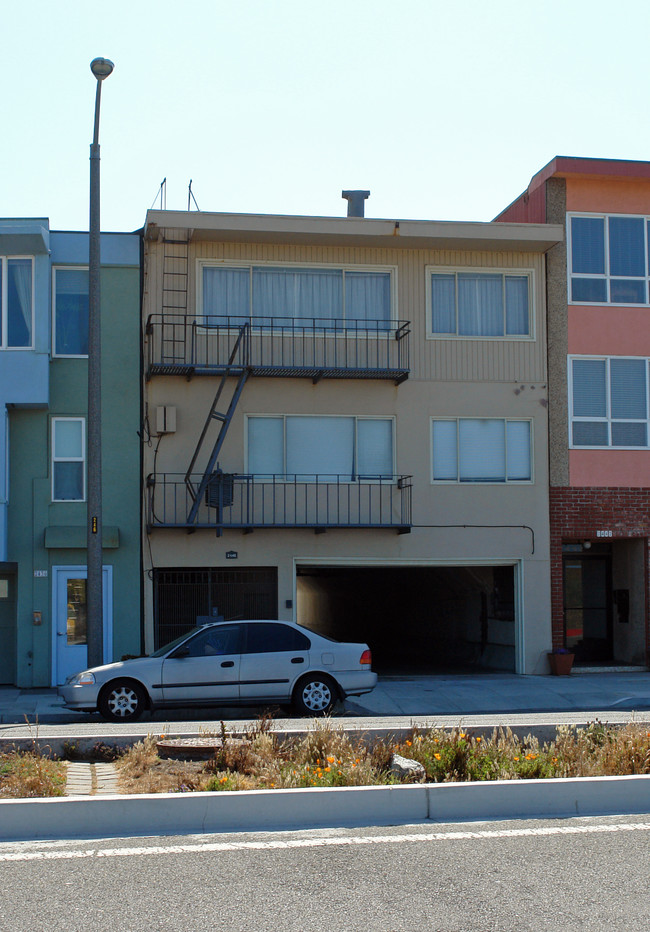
x,y
287,294
68,463
212,642
609,402
479,304
71,312
481,450
267,638
303,447
609,262
16,304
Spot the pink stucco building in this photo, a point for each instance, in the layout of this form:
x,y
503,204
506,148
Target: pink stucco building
x,y
598,292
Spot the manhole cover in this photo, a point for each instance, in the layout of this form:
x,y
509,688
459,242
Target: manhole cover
x,y
199,748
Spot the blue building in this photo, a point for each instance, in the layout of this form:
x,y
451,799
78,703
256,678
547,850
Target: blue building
x,y
43,408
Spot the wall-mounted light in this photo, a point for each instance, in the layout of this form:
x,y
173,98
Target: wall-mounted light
x,y
586,545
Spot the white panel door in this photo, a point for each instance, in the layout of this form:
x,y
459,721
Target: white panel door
x,y
69,651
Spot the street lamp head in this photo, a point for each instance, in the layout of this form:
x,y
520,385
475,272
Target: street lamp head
x,y
101,68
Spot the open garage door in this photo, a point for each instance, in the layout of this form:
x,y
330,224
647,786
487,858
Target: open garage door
x,y
415,619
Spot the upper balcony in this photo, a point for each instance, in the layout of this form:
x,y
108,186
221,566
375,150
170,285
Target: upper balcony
x,y
279,347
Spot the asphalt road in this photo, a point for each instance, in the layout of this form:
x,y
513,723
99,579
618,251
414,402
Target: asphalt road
x,y
573,874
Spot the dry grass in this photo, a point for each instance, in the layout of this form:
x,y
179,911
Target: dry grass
x,y
596,750
326,756
30,774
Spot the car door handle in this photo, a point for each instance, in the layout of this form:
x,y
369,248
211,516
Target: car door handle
x,y
228,663
297,660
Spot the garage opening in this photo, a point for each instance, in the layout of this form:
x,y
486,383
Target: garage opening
x,y
417,620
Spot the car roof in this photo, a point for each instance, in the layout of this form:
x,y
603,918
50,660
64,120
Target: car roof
x,y
250,621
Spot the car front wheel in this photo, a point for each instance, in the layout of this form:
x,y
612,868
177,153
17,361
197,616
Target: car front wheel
x,y
315,695
122,701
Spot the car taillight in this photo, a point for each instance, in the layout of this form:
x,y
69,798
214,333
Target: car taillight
x,y
366,656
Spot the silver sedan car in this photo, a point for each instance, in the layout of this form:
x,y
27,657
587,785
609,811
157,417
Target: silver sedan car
x,y
228,663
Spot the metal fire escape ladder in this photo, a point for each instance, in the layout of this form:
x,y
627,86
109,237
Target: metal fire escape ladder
x,y
198,490
175,274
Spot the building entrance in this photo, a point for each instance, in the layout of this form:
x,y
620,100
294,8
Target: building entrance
x,y
588,606
181,595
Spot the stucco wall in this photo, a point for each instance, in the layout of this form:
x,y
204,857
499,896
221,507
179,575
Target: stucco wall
x,y
450,378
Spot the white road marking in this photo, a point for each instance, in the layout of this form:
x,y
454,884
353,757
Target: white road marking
x,y
65,855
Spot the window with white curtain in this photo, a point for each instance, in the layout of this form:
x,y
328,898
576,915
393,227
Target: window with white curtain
x,y
328,447
16,303
71,311
609,401
481,450
68,459
279,294
479,304
609,259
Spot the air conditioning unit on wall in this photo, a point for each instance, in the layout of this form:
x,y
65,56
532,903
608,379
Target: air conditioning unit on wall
x,y
165,419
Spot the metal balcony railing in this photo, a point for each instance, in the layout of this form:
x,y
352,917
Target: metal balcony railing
x,y
183,344
246,502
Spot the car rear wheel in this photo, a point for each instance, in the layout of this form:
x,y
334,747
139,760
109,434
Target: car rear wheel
x,y
315,695
122,701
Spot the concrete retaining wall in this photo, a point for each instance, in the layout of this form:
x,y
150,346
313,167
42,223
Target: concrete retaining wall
x,y
277,810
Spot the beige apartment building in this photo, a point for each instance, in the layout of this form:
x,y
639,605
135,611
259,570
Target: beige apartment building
x,y
346,425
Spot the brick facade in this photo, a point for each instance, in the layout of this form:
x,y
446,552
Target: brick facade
x,y
579,514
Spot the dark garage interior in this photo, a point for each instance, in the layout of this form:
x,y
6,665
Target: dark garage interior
x,y
416,620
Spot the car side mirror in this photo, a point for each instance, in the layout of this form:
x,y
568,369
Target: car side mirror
x,y
181,653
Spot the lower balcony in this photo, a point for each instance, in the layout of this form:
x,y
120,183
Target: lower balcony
x,y
246,502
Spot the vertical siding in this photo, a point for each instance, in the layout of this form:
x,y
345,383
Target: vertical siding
x,y
431,359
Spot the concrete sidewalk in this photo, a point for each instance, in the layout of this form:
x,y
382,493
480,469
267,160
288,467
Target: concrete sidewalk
x,y
399,697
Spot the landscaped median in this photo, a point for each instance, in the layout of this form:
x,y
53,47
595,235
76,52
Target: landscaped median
x,y
258,781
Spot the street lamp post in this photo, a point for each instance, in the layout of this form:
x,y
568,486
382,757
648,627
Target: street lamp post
x,y
101,68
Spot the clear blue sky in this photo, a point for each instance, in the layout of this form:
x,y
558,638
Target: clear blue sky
x,y
443,110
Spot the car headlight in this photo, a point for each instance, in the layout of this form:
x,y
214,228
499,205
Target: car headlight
x,y
82,679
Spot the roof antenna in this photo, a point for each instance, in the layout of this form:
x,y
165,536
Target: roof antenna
x,y
190,197
162,194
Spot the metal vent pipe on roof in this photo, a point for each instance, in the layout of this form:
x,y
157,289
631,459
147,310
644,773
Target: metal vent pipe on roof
x,y
356,202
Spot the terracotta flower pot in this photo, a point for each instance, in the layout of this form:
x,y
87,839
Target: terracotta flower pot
x,y
561,664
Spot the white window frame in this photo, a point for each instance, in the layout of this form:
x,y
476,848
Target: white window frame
x,y
4,308
69,459
355,417
607,419
270,263
55,269
479,483
528,273
606,275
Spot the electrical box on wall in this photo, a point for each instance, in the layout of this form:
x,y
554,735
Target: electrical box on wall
x,y
165,419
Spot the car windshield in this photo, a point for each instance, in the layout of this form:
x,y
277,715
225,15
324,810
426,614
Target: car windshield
x,y
172,644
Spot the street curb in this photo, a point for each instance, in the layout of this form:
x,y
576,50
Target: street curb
x,y
55,745
293,809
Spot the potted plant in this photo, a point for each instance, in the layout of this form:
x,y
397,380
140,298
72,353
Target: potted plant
x,y
561,661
